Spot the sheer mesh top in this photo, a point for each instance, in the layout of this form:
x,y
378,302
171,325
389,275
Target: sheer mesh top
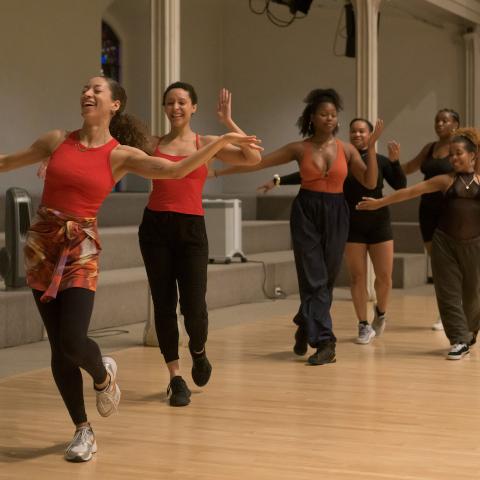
x,y
460,216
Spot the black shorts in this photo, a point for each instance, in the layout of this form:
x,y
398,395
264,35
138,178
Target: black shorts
x,y
429,213
370,226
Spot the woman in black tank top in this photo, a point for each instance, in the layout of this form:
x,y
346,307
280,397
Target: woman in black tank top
x,y
456,241
432,161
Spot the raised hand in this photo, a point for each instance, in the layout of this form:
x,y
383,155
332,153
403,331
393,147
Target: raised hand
x,y
243,140
266,187
224,106
377,132
393,151
368,203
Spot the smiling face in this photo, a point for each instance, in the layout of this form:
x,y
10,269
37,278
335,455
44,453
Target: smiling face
x,y
178,107
359,134
96,101
461,159
445,124
325,118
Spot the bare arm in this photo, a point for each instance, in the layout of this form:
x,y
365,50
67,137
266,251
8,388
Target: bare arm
x,y
415,163
285,154
39,151
367,174
131,160
435,184
242,155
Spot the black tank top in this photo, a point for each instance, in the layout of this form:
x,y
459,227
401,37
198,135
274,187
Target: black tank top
x,y
460,217
431,167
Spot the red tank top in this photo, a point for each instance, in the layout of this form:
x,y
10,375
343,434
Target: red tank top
x,y
314,179
182,195
78,178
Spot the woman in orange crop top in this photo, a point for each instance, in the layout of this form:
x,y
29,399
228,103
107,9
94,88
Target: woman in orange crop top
x,y
173,239
319,218
63,245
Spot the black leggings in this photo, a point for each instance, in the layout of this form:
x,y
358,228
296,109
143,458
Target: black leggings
x,y
66,320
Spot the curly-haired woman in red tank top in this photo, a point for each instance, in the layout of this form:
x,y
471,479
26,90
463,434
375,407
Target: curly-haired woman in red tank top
x,y
319,219
63,246
174,243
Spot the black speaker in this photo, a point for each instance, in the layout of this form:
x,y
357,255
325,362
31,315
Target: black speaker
x,y
351,31
18,214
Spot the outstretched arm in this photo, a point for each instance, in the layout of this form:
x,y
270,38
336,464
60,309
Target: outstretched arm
x,y
285,154
131,160
367,174
40,150
435,184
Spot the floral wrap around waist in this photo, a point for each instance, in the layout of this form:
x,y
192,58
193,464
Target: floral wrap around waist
x,y
61,252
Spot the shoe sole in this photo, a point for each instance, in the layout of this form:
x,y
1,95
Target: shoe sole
x,y
366,342
202,383
80,459
179,404
314,363
113,367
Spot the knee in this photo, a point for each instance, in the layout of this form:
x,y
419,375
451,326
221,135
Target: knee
x,y
383,280
357,279
73,348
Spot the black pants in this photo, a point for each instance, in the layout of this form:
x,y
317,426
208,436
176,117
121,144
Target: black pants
x,y
175,250
319,227
66,320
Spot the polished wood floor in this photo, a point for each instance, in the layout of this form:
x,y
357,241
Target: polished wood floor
x,y
394,409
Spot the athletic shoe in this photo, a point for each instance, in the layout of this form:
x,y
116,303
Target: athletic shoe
x,y
438,325
301,342
201,369
458,351
365,334
379,321
109,398
83,445
178,392
324,354
473,341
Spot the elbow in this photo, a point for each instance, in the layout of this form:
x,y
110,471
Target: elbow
x,y
370,184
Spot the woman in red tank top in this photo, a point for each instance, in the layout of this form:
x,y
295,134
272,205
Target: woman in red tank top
x,y
63,246
173,239
320,218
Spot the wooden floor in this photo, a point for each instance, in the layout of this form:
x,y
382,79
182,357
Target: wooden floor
x,y
394,409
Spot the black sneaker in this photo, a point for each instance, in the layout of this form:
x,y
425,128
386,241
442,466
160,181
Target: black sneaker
x,y
178,392
201,369
324,354
458,351
473,341
301,342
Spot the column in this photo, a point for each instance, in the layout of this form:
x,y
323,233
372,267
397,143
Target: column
x,y
472,77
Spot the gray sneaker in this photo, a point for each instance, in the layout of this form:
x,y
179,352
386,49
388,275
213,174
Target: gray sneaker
x,y
379,322
83,445
109,398
365,334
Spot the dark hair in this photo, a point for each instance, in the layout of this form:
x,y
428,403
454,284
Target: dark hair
x,y
124,127
364,120
313,100
470,138
451,112
184,86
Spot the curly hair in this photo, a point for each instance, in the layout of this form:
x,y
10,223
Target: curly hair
x,y
470,137
124,127
313,100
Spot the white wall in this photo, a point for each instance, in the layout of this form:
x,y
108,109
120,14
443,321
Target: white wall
x,y
49,49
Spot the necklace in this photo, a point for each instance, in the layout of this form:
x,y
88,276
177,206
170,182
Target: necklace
x,y
467,185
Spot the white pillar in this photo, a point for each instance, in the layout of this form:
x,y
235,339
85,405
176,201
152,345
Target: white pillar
x,y
165,69
472,75
366,23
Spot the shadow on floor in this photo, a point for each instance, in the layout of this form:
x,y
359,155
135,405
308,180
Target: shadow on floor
x,y
12,454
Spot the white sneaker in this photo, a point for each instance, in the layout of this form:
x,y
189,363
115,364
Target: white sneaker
x,y
458,351
379,322
83,445
438,325
109,398
365,334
